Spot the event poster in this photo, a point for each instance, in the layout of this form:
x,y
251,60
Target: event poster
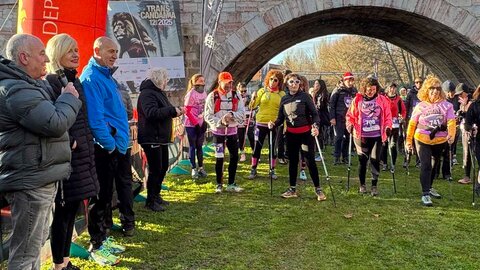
x,y
149,35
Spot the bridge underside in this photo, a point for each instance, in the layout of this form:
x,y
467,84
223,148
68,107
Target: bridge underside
x,y
449,54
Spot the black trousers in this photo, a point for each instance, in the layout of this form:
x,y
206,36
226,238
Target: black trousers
x,y
231,142
62,230
368,149
429,158
250,136
157,157
115,167
282,152
341,141
392,145
260,134
301,143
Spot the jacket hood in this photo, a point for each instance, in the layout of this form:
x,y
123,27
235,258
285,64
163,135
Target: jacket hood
x,y
8,70
148,84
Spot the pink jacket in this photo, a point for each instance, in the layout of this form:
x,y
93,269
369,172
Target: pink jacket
x,y
354,116
194,104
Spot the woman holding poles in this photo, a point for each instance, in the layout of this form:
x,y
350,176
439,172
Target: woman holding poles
x,y
300,114
432,125
370,120
398,114
472,122
194,124
267,100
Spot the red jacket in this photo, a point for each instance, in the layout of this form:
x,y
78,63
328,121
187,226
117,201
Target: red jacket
x,y
354,116
398,109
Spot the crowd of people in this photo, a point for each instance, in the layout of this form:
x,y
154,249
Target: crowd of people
x,y
65,138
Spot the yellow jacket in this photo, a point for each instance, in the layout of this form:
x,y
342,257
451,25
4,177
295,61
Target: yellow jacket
x,y
268,104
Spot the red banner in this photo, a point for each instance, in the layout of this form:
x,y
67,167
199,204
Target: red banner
x,y
84,20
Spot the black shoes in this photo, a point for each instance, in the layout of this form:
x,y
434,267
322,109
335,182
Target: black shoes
x,y
129,232
155,206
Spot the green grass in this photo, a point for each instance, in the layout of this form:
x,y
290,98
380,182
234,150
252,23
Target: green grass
x,y
253,230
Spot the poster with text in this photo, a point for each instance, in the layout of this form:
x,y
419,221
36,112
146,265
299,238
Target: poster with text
x,y
148,34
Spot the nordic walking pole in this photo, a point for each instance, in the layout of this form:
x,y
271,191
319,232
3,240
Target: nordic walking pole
x,y
270,135
450,177
471,146
252,113
392,168
325,169
349,160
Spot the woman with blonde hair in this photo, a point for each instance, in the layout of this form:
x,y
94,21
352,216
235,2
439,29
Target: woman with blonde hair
x,y
432,125
267,100
62,50
195,126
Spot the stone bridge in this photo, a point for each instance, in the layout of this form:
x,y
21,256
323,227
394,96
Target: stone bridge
x,y
445,34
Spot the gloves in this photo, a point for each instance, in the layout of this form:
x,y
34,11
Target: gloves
x,y
389,132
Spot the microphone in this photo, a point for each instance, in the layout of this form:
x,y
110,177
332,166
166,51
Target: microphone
x,y
62,77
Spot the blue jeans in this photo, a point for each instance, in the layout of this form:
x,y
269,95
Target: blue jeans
x,y
31,211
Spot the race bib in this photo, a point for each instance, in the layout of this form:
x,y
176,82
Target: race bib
x,y
348,101
370,125
219,150
395,122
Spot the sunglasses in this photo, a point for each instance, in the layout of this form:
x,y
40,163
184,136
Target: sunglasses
x,y
243,91
418,82
294,82
273,79
435,88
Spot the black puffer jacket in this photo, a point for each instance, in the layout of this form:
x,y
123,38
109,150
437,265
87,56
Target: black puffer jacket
x,y
340,102
83,182
411,101
34,148
155,115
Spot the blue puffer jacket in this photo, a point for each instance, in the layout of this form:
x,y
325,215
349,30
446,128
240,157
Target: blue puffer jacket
x,y
106,112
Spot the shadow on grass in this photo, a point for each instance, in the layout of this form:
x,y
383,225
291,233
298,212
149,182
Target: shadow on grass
x,y
254,230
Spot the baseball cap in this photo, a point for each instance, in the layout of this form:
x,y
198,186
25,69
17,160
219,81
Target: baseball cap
x,y
225,77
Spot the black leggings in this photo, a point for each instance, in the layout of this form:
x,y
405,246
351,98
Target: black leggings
x,y
261,133
62,230
429,157
157,157
241,137
195,141
231,142
392,144
368,149
304,143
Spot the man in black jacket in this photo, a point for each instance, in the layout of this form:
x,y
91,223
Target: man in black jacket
x,y
34,145
339,103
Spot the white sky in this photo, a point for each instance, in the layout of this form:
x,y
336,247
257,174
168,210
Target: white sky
x,y
306,45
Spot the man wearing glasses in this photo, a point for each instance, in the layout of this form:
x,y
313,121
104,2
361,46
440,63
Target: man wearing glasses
x,y
339,103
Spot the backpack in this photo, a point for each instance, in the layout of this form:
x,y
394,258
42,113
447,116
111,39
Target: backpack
x,y
218,101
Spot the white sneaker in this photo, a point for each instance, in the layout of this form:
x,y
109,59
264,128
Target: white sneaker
x,y
234,188
194,173
219,189
303,175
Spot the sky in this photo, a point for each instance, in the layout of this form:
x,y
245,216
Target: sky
x,y
308,45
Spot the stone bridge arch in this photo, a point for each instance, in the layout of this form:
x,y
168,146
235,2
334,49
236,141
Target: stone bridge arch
x,y
443,35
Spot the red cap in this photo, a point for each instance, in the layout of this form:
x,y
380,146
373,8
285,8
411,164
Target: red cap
x,y
225,77
347,75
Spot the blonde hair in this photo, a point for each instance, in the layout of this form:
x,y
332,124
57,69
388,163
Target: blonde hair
x,y
158,76
430,81
192,81
57,47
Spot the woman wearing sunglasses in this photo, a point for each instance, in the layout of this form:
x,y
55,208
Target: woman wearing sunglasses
x,y
301,116
369,120
432,125
267,100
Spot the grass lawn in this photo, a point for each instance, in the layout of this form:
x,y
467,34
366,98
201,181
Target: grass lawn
x,y
253,230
